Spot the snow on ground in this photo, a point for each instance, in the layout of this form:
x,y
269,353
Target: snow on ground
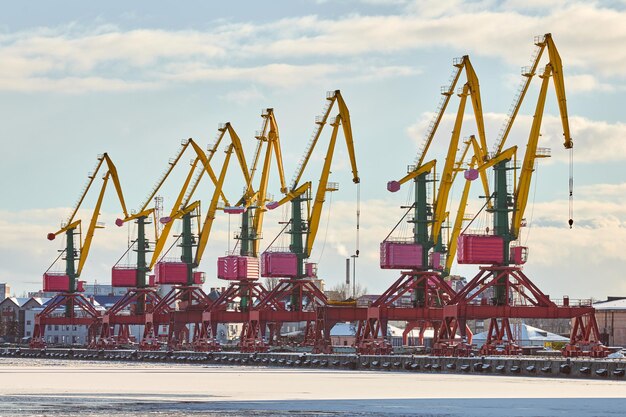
x,y
36,387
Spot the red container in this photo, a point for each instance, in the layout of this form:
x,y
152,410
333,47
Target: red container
x,y
480,249
310,269
59,282
123,276
279,264
519,255
199,277
237,267
55,282
400,255
171,273
152,280
436,260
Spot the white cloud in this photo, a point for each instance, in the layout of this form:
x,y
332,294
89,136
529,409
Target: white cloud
x,y
534,5
272,74
594,141
434,8
589,37
610,192
74,85
587,82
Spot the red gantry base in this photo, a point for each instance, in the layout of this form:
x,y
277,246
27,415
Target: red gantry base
x,y
76,311
134,308
221,311
420,312
291,301
179,309
521,299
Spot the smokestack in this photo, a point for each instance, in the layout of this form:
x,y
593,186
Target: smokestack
x,y
347,271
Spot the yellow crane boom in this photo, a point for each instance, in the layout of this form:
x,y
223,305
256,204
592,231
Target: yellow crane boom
x,y
460,64
295,191
205,231
85,243
531,154
332,97
271,136
320,195
160,242
447,175
542,42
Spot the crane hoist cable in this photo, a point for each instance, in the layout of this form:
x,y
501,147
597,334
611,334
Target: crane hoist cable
x,y
532,206
553,69
571,187
162,257
358,217
330,203
400,221
279,235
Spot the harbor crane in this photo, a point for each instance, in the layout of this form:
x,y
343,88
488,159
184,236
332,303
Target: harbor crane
x,y
296,292
241,267
186,301
502,283
421,256
67,285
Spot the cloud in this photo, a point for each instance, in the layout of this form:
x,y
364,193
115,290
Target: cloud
x,y
273,74
598,141
74,85
582,31
583,83
609,192
72,57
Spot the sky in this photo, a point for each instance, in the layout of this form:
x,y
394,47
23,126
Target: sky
x,y
135,78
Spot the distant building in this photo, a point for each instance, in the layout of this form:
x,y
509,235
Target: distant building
x,y
333,295
367,300
90,291
9,319
103,289
344,334
78,334
529,336
611,318
13,320
457,282
5,291
58,334
319,283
